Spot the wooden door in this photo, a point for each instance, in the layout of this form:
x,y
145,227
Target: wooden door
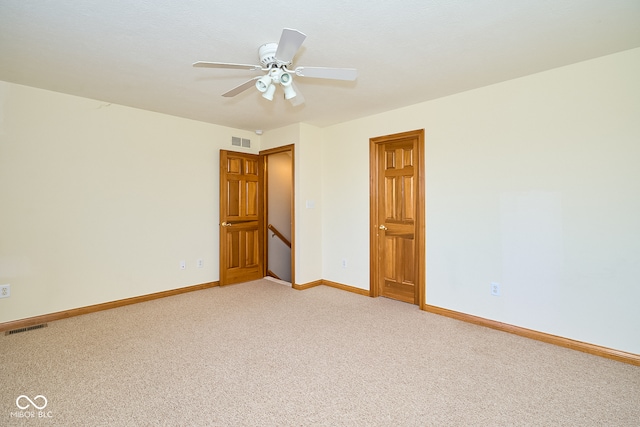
x,y
397,217
241,219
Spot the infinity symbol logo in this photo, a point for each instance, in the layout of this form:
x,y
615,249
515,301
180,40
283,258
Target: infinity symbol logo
x,y
35,405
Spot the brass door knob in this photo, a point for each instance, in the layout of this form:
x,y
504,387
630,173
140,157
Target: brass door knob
x,y
382,227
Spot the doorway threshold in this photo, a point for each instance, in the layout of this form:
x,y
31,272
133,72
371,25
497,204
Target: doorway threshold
x,y
282,282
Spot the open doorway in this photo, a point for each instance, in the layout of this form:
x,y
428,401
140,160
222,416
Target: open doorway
x,y
279,212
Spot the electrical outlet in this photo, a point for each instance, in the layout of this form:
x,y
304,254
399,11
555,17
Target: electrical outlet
x,y
5,291
344,263
183,265
200,263
495,289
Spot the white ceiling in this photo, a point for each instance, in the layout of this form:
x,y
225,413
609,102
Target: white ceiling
x,y
139,52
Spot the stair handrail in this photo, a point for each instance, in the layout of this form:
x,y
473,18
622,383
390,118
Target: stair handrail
x,y
279,234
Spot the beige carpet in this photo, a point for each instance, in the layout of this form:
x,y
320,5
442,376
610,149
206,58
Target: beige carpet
x,y
263,354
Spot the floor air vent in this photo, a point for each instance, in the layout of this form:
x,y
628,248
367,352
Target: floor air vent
x,y
28,328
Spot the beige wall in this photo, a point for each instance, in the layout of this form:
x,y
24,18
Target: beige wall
x,y
309,205
533,183
307,171
100,202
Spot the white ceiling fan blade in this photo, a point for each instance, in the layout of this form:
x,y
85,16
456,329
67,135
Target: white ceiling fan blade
x,y
205,64
327,73
290,42
241,88
298,99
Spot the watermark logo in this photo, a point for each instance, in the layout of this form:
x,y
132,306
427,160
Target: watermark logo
x,y
22,398
28,407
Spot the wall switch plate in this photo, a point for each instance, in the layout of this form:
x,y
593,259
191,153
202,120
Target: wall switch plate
x,y
183,265
5,291
495,289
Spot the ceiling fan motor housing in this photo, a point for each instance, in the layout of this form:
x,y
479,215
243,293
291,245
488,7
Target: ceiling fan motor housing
x,y
267,54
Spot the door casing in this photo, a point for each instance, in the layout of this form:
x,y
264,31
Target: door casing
x,y
264,156
376,149
239,221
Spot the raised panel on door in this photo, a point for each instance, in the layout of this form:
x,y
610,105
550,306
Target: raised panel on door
x,y
251,199
233,198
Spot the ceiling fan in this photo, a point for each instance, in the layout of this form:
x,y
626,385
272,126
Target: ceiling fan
x,y
275,60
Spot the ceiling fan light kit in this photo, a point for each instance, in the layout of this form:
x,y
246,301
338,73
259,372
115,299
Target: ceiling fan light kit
x,y
276,58
271,90
263,83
